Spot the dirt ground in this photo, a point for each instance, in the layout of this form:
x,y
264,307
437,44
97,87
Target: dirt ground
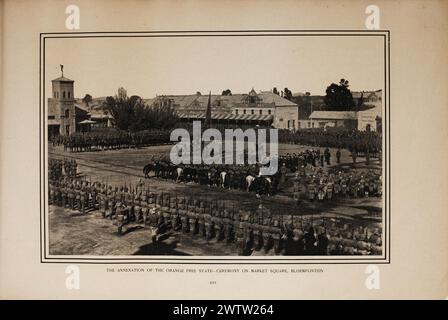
x,y
72,233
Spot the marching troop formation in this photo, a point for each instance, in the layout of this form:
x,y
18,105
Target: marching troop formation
x,y
248,230
95,141
317,184
311,179
309,157
245,177
224,176
353,140
57,168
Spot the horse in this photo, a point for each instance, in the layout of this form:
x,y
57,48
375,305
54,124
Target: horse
x,y
222,176
249,180
262,185
148,168
213,177
179,173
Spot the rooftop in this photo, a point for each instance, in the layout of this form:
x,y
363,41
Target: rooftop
x,y
62,79
334,115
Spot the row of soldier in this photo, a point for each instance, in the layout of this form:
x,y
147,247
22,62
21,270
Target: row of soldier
x,y
248,230
317,184
245,177
353,140
110,140
314,157
61,167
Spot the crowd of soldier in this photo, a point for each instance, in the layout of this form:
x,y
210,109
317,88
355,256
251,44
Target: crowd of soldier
x,y
308,165
111,140
355,141
317,184
61,167
247,230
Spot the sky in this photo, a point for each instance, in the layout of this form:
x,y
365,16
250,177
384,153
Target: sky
x,y
155,66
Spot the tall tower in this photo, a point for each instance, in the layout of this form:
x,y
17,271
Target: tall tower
x,y
63,104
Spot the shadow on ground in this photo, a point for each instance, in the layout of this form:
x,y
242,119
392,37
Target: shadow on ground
x,y
160,248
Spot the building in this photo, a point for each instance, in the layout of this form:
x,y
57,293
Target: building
x,y
264,108
65,116
370,119
367,97
367,119
324,119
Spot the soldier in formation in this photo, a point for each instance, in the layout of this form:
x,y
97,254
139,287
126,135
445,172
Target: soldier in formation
x,y
94,141
58,168
327,185
354,140
247,230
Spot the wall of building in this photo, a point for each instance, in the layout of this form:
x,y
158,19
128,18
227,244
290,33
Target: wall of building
x,y
63,112
254,110
63,90
286,118
68,117
368,121
328,123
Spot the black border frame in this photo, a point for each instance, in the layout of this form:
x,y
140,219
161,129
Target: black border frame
x,y
211,33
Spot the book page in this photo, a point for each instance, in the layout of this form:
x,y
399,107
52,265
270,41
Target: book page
x,y
223,150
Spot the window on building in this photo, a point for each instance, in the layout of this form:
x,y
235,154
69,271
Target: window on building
x,y
261,111
294,124
269,111
50,117
288,124
236,111
67,113
54,94
252,111
244,111
68,94
63,94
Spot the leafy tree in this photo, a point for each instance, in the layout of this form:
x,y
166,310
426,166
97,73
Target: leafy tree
x,y
121,107
361,100
338,97
275,91
87,99
131,113
287,94
226,92
162,117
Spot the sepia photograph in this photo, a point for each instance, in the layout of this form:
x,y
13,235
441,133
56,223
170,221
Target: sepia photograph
x,y
216,145
232,151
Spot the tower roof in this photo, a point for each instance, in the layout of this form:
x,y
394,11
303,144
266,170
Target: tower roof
x,y
252,93
63,79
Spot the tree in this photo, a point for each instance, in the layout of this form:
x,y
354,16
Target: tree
x,y
287,94
361,100
87,99
338,97
275,91
226,92
122,108
131,113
